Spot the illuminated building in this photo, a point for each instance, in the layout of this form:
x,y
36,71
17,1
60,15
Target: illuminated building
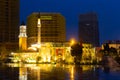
x,y
55,52
9,23
23,73
88,54
52,30
22,38
113,44
49,52
88,29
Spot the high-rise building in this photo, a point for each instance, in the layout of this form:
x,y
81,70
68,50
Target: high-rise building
x,y
52,27
88,29
9,23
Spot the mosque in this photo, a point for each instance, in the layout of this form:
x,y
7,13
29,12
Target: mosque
x,y
47,52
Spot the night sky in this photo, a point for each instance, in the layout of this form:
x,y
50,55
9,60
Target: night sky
x,y
108,12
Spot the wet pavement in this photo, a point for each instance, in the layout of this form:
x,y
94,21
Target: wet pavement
x,y
57,72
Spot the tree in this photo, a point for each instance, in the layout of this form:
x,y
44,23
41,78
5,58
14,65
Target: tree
x,y
76,52
106,49
109,51
113,51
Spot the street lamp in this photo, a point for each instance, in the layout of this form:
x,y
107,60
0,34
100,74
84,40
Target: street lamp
x,y
72,41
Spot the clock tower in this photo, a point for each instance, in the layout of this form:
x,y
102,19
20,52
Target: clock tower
x,y
22,38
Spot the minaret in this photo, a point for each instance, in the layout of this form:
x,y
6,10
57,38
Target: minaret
x,y
39,32
39,29
22,37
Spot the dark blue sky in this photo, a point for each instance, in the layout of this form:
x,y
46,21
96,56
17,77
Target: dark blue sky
x,y
108,12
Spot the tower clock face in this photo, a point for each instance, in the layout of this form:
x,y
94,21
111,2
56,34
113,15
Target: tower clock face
x,y
22,29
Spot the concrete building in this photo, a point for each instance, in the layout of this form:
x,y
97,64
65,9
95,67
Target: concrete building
x,y
54,52
52,27
88,29
9,23
113,44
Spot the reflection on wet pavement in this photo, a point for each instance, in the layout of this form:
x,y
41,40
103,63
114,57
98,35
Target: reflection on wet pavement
x,y
55,72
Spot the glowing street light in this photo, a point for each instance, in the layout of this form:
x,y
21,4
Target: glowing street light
x,y
72,41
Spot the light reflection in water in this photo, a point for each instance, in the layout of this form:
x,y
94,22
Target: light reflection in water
x,y
72,73
22,73
55,72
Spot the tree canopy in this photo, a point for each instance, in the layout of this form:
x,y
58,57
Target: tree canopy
x,y
76,52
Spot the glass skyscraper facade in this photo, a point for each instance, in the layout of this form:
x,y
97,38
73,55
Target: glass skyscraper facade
x,y
88,29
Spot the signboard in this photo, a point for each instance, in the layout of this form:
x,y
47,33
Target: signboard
x,y
46,17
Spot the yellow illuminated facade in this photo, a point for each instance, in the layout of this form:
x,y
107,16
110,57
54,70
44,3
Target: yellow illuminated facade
x,y
22,43
23,73
55,53
22,38
88,53
113,44
52,27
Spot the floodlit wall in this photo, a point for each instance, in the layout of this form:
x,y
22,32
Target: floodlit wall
x,y
56,53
